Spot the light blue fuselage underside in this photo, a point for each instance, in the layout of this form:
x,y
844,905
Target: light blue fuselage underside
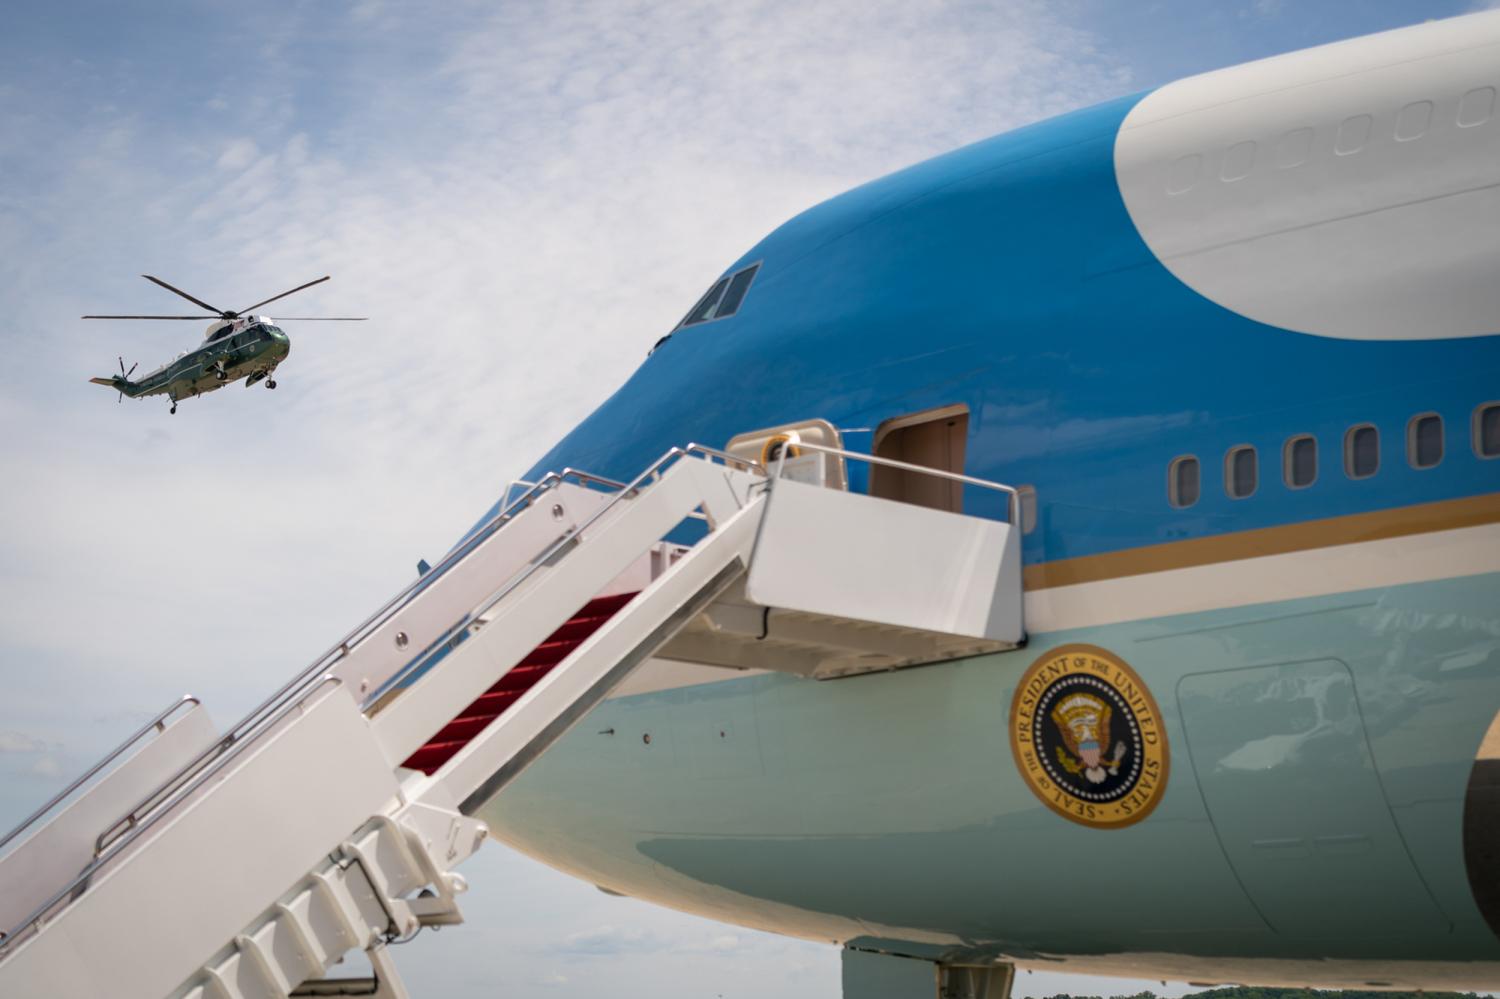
x,y
887,809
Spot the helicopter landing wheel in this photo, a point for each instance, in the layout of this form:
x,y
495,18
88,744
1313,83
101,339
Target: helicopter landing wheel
x,y
173,410
270,383
221,375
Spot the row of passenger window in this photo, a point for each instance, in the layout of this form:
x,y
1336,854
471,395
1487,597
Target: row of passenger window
x,y
1299,456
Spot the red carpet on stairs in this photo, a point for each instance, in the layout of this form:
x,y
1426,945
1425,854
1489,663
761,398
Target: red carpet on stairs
x,y
508,689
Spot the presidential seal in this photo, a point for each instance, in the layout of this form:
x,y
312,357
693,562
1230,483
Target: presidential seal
x,y
1088,737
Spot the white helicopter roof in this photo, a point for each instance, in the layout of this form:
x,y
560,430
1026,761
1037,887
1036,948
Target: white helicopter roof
x,y
220,327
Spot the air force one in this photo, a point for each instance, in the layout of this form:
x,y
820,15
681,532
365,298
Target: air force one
x,y
1091,563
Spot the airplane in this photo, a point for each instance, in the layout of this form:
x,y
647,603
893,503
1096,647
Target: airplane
x,y
236,345
1238,338
1221,360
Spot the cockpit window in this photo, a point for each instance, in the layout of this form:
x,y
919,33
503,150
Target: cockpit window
x,y
738,286
724,298
704,310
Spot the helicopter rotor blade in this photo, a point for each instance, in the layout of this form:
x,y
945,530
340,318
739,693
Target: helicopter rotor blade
x,y
323,319
132,369
153,317
122,364
178,291
252,308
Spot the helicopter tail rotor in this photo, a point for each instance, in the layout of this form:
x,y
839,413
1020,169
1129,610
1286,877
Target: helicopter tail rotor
x,y
120,381
125,375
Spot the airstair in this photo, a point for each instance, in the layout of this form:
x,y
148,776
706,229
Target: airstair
x,y
247,863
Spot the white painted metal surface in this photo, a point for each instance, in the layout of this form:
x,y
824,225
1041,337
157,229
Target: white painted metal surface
x,y
1350,190
517,625
846,555
821,467
353,900
151,918
428,615
64,846
607,657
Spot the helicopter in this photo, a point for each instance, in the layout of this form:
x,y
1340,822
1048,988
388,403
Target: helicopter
x,y
236,345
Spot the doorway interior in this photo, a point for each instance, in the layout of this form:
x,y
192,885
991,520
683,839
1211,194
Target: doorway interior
x,y
933,438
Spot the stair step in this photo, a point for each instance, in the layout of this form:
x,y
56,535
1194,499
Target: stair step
x,y
549,653
606,606
521,678
492,703
579,628
475,718
433,755
464,729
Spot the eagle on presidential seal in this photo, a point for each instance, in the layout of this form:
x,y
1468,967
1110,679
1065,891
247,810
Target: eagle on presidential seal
x,y
1083,722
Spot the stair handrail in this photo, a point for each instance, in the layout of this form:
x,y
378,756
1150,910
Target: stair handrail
x,y
294,689
1010,491
568,540
748,464
159,723
80,881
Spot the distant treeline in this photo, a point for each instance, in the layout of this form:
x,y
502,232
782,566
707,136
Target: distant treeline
x,y
1257,993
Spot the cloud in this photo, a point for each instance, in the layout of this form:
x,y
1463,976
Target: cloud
x,y
29,756
604,940
613,940
723,943
1263,9
48,767
238,155
19,742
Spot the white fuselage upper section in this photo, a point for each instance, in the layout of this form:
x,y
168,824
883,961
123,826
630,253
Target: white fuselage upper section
x,y
1349,191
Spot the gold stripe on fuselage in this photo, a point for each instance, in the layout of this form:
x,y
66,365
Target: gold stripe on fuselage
x,y
1424,518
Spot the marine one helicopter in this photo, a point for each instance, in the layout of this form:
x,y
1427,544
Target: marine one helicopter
x,y
236,345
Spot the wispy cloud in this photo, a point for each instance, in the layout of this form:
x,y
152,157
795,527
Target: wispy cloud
x,y
610,940
24,755
17,742
1263,9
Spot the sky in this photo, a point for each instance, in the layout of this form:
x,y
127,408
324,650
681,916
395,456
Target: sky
x,y
523,197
